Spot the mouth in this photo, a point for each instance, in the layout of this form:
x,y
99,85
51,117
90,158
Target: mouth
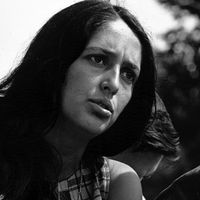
x,y
104,104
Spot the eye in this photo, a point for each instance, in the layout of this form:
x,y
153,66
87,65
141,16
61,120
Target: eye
x,y
97,59
128,75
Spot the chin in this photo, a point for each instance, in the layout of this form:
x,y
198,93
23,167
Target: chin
x,y
96,130
97,125
93,125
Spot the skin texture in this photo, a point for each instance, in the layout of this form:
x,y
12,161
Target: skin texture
x,y
125,178
106,70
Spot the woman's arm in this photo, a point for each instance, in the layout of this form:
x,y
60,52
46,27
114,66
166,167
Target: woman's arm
x,y
125,183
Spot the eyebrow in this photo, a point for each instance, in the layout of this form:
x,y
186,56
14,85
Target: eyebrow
x,y
112,54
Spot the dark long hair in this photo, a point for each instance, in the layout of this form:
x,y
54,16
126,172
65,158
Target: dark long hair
x,y
30,97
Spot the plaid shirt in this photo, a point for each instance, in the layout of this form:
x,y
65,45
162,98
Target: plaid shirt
x,y
82,185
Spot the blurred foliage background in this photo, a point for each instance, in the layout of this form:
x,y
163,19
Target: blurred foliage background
x,y
179,87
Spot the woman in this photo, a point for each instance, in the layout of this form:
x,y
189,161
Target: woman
x,y
89,66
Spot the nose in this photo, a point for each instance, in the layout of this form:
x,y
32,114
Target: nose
x,y
110,82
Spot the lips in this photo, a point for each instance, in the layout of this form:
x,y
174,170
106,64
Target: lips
x,y
104,103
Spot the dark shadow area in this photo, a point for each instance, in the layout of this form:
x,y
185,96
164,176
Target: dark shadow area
x,y
179,87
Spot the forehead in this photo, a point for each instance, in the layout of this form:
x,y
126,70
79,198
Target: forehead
x,y
117,37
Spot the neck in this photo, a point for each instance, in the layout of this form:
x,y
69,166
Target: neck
x,y
70,144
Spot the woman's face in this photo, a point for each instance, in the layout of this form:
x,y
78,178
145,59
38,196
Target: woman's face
x,y
99,82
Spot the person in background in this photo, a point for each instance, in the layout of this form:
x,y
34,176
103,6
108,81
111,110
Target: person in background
x,y
185,187
160,141
86,75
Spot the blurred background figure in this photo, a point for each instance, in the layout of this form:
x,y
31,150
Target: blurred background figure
x,y
186,187
160,141
179,87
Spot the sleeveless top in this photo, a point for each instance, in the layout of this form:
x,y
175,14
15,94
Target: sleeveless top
x,y
85,185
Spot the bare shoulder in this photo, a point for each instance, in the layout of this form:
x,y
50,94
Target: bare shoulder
x,y
125,183
117,168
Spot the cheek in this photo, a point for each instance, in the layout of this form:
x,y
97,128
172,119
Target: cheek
x,y
123,99
78,81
